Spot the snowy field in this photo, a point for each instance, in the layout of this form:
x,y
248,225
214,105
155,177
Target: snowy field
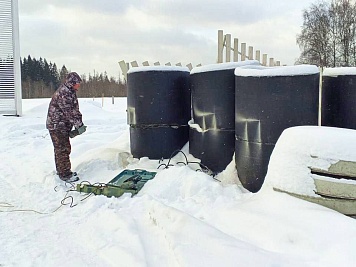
x,y
180,218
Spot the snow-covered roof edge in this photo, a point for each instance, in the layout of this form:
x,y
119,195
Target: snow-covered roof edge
x,y
339,71
157,68
223,66
261,71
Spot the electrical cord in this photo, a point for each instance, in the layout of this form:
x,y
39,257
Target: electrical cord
x,y
7,205
203,168
71,187
99,186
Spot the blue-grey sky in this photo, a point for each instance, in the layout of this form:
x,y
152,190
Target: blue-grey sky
x,y
88,35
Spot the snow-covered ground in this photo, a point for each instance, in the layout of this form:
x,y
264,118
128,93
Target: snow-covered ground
x,y
180,218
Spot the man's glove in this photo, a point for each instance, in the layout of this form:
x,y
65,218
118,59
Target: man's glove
x,y
82,129
73,133
78,131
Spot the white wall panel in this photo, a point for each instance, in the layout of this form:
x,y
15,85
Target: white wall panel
x,y
10,72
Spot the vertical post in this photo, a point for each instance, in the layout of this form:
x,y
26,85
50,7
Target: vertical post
x,y
16,48
264,59
278,63
134,64
243,51
258,55
250,52
320,93
220,45
236,49
124,68
271,62
102,100
113,100
228,47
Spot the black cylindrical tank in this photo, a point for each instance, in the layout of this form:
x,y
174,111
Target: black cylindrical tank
x,y
158,106
338,108
214,148
267,101
213,106
157,142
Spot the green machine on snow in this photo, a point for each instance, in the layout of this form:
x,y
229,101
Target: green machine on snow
x,y
128,181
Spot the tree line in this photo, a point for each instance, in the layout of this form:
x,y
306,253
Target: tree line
x,y
328,36
40,79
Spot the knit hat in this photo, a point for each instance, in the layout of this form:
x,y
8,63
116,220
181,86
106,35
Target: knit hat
x,y
72,78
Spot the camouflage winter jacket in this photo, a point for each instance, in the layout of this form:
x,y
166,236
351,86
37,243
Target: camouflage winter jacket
x,y
63,110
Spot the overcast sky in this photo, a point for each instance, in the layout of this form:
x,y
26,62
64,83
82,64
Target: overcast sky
x,y
88,35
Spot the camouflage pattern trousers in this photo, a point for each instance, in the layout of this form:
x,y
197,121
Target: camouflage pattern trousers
x,y
62,149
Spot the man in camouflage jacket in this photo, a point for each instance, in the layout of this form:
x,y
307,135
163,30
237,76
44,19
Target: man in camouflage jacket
x,y
63,115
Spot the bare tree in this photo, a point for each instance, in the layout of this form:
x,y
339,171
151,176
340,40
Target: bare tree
x,y
346,29
313,39
328,36
333,40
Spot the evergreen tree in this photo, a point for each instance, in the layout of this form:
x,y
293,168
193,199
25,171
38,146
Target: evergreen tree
x,y
46,72
54,74
40,79
63,73
31,68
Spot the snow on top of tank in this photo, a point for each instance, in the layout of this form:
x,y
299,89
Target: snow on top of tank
x,y
339,71
158,68
224,66
261,71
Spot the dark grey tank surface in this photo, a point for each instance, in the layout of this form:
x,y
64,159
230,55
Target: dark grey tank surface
x,y
268,101
158,104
